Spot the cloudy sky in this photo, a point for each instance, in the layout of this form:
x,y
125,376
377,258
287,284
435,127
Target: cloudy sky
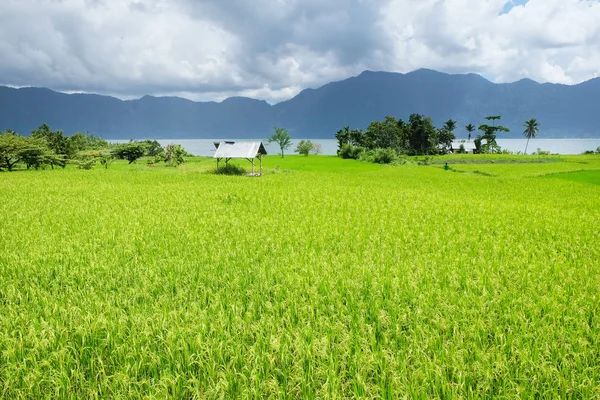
x,y
272,49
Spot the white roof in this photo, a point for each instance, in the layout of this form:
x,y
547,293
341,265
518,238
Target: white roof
x,y
239,150
467,145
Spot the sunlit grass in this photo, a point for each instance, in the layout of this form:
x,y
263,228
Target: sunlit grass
x,y
325,278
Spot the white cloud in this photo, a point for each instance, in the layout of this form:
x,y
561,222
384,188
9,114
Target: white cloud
x,y
272,49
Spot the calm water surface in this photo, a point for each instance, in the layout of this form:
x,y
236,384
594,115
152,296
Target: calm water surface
x,y
205,147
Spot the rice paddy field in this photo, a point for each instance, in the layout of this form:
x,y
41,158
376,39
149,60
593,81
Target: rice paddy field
x,y
325,278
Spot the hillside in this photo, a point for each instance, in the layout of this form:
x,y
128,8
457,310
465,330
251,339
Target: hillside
x,y
563,110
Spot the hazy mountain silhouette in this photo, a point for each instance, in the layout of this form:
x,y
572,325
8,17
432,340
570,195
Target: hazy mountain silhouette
x,y
562,110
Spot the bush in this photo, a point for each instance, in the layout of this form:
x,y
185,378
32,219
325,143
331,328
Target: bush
x,y
349,151
346,151
230,169
384,156
86,163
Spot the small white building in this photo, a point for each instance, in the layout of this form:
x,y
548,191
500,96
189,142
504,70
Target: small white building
x,y
469,147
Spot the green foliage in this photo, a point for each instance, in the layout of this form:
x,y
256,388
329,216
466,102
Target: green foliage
x,y
174,155
282,138
349,151
385,156
531,129
461,149
304,147
85,141
470,129
105,160
153,148
11,146
129,151
87,163
230,169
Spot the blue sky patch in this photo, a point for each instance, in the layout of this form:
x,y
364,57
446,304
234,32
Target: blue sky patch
x,y
511,4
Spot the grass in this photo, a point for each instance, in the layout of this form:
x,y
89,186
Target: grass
x,y
325,278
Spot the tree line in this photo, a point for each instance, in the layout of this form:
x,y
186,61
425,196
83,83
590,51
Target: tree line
x,y
48,148
382,141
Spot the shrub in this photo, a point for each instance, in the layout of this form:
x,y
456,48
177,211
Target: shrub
x,y
346,151
385,156
86,163
230,169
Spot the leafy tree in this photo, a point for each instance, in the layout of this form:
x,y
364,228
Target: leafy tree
x,y
446,136
105,160
304,147
129,151
422,135
11,146
35,153
85,141
153,148
493,118
174,154
489,134
470,128
531,129
343,137
384,134
282,138
55,141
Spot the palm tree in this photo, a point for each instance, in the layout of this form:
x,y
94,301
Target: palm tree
x,y
531,129
450,125
470,128
493,118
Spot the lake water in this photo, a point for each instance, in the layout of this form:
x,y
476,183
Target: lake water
x,y
205,147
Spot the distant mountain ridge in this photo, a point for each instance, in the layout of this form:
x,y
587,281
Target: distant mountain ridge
x,y
562,110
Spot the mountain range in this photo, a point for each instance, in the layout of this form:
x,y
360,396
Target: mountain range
x,y
562,110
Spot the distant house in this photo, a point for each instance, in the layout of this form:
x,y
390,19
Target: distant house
x,y
469,147
248,150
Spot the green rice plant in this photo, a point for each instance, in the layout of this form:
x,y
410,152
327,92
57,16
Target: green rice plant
x,y
343,279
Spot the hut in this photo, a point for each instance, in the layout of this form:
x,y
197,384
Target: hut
x,y
248,150
468,147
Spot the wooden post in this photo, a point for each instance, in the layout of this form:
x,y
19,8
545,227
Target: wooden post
x,y
253,166
260,159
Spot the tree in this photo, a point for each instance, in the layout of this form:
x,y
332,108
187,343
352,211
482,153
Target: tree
x,y
282,138
446,136
531,129
489,133
422,135
343,137
174,154
383,134
86,141
470,128
316,148
493,118
304,147
129,151
450,125
56,142
11,146
35,153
